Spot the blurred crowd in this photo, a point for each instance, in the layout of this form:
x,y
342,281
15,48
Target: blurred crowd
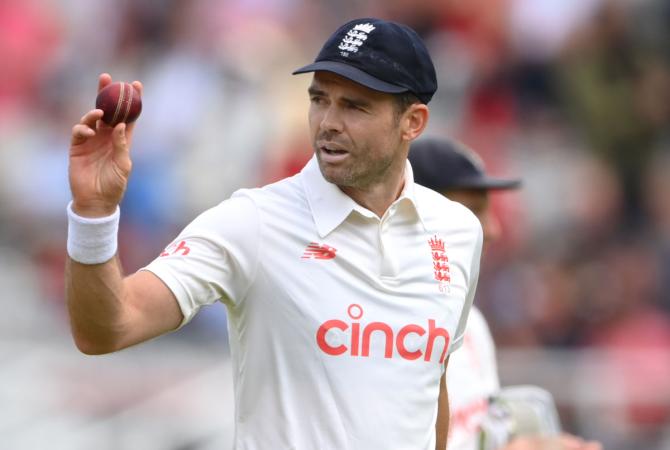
x,y
571,96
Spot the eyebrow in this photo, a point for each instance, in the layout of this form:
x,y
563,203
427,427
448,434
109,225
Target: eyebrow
x,y
356,102
313,91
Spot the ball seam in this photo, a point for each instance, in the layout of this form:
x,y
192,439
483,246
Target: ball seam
x,y
119,103
129,103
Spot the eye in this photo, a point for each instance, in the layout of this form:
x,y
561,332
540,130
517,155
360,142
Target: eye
x,y
316,99
355,107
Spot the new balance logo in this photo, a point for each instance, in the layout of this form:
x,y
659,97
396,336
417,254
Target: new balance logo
x,y
319,251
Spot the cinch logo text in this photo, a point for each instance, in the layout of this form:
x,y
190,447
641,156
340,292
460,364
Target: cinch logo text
x,y
360,335
176,248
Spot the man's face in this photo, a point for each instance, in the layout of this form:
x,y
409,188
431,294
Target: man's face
x,y
477,201
354,131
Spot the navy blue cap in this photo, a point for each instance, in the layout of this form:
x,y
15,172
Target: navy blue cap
x,y
381,55
443,164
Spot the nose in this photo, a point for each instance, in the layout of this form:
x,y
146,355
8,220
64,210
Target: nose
x,y
331,120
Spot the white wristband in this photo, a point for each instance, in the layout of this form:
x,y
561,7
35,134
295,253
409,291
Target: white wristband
x,y
92,240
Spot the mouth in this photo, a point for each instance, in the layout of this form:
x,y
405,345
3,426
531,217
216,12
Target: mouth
x,y
331,150
332,154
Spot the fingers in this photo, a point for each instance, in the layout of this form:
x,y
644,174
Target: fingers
x,y
570,442
119,140
138,87
80,133
119,137
103,80
121,148
564,442
86,128
91,118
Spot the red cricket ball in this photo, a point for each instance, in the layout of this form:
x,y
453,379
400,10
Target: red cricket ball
x,y
120,102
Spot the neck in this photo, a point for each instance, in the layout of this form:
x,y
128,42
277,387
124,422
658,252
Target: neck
x,y
379,196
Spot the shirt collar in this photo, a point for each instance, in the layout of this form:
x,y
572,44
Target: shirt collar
x,y
330,206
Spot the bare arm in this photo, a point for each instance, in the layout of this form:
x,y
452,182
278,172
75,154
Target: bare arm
x,y
442,423
107,311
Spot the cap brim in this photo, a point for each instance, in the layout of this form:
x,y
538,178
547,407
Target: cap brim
x,y
352,73
485,182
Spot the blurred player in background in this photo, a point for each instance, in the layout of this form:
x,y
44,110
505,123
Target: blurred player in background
x,y
484,416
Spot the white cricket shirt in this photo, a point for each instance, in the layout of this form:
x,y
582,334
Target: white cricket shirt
x,y
339,321
472,378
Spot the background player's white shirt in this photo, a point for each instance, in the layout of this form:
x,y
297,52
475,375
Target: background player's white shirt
x,y
339,320
471,379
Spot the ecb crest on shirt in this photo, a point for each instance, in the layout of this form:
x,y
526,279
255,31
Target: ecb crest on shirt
x,y
440,263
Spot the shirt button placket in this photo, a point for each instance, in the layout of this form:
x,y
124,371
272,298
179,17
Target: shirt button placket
x,y
388,268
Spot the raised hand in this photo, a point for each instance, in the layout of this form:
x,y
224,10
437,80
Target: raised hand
x,y
100,161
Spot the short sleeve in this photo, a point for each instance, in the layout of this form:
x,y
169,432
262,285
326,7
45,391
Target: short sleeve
x,y
214,258
472,288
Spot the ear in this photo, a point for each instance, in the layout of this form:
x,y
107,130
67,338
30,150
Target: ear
x,y
414,121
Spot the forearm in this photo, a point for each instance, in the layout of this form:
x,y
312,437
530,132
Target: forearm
x,y
95,299
442,422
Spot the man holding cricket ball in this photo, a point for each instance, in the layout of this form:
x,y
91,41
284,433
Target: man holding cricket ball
x,y
348,286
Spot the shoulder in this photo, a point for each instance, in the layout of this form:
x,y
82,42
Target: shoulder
x,y
287,190
246,207
234,216
279,205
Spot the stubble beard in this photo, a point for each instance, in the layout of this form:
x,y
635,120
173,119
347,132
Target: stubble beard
x,y
357,175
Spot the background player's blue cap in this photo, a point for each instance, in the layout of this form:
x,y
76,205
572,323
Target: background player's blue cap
x,y
381,55
444,164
